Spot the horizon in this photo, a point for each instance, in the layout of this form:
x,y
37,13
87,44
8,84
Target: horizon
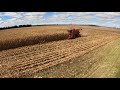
x,y
105,19
56,24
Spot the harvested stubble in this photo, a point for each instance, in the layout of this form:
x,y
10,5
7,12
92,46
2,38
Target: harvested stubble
x,y
29,60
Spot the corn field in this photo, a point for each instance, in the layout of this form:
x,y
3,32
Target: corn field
x,y
27,51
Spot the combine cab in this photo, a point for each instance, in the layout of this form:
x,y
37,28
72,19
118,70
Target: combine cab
x,y
73,33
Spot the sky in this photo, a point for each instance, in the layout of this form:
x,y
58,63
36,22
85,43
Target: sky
x,y
108,19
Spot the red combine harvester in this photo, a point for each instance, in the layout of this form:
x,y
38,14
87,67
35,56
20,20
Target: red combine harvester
x,y
73,33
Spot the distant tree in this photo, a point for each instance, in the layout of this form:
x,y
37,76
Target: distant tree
x,y
28,25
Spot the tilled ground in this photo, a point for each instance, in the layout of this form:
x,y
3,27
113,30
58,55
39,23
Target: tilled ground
x,y
29,60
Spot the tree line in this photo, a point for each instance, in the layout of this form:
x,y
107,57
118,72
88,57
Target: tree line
x,y
28,25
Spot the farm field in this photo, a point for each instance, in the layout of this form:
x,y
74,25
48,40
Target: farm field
x,y
43,51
